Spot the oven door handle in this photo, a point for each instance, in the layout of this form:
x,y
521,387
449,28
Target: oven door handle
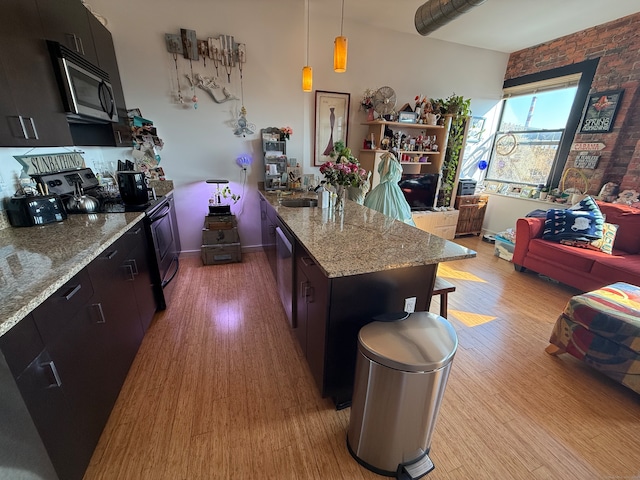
x,y
154,218
164,283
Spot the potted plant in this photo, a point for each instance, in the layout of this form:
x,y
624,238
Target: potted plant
x,y
460,110
544,191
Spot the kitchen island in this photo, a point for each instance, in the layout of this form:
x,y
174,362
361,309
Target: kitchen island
x,y
349,267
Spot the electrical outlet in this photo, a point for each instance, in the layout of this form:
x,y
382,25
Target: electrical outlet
x,y
410,304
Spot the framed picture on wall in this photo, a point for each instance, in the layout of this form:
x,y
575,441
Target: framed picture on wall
x,y
600,111
332,122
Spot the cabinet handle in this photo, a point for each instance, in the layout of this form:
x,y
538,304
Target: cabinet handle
x,y
136,231
54,372
119,136
134,266
81,46
130,268
72,291
23,127
33,129
112,254
308,261
98,306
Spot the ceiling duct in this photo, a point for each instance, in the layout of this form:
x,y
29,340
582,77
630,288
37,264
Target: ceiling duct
x,y
437,13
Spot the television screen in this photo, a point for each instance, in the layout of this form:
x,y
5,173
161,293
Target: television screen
x,y
420,189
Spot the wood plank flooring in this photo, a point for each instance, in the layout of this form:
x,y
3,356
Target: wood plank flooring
x,y
220,389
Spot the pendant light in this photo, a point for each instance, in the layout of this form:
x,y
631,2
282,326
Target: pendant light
x,y
340,49
307,71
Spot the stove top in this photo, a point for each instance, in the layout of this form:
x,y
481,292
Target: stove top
x,y
111,202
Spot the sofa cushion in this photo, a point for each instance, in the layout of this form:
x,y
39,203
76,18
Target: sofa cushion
x,y
572,224
628,221
605,243
564,255
618,268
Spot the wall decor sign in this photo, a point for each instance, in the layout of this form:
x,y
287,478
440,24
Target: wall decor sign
x,y
331,123
585,160
600,111
50,163
586,147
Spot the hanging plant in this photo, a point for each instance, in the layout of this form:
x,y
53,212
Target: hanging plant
x,y
460,109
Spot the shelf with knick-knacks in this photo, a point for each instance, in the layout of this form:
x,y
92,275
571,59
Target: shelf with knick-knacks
x,y
420,148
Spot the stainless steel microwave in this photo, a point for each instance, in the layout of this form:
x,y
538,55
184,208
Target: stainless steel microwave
x,y
86,91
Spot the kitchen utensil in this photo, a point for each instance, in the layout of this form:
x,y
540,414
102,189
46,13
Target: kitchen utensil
x,y
81,203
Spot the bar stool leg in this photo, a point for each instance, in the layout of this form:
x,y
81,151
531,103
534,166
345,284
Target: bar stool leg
x,y
444,299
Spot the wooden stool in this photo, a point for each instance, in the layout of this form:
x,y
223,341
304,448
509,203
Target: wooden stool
x,y
443,288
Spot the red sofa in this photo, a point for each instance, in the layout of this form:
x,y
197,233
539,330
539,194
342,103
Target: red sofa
x,y
582,268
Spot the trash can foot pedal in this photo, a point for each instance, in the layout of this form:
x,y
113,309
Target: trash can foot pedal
x,y
416,469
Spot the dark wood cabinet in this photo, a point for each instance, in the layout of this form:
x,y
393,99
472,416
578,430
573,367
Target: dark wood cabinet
x,y
71,356
311,319
37,117
67,22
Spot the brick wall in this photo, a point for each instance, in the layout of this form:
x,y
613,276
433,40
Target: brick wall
x,y
617,44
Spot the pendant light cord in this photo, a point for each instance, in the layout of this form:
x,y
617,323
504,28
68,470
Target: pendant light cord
x,y
342,19
307,32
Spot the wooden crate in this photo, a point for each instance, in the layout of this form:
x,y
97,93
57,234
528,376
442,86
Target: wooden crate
x,y
220,236
219,254
220,222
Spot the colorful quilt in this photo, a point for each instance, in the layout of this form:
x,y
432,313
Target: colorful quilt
x,y
602,328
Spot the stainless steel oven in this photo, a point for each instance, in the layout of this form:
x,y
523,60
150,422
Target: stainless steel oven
x,y
162,227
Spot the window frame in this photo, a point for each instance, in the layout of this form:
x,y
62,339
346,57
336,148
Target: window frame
x,y
587,69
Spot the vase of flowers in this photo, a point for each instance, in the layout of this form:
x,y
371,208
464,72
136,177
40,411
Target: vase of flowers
x,y
367,103
344,171
285,133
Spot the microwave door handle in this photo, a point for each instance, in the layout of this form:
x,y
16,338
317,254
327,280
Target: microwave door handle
x,y
108,97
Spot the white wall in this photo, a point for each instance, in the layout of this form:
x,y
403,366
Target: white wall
x,y
199,144
503,211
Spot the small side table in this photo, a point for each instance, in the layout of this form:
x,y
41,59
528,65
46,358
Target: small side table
x,y
443,288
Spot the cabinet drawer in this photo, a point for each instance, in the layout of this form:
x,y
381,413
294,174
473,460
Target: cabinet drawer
x,y
467,200
53,314
448,232
217,237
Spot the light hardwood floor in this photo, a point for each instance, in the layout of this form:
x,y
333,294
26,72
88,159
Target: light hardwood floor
x,y
220,390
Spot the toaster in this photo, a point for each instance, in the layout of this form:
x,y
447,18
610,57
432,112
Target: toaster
x,y
35,210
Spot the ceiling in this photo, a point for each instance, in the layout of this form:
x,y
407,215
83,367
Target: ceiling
x,y
501,25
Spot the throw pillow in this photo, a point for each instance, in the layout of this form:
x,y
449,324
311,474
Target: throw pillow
x,y
572,224
605,243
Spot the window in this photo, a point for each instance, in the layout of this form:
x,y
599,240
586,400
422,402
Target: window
x,y
531,129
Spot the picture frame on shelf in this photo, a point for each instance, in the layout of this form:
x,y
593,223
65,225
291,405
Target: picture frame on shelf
x,y
526,192
515,190
492,187
503,188
407,117
331,123
600,111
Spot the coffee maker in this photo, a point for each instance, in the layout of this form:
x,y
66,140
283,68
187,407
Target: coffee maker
x,y
134,188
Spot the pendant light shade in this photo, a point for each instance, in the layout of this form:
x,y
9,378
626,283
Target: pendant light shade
x,y
307,78
340,49
340,54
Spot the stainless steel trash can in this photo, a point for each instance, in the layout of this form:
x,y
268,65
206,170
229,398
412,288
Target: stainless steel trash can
x,y
401,373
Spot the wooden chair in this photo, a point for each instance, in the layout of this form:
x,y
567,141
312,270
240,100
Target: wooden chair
x,y
443,288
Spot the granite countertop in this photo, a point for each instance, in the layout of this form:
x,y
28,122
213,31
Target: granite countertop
x,y
36,261
361,240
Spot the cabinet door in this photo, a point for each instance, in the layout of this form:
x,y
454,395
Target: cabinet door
x,y
54,418
113,279
303,293
269,234
67,22
139,260
316,296
38,118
